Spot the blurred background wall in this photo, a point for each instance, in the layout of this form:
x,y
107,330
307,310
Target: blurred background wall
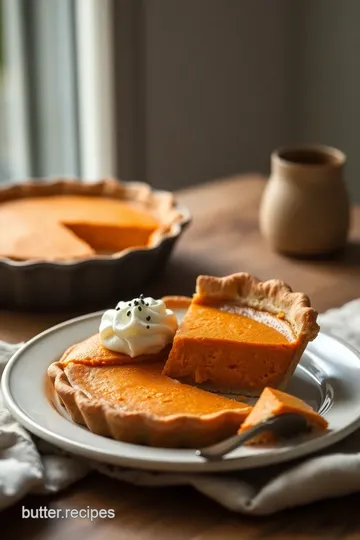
x,y
225,82
175,92
220,87
329,100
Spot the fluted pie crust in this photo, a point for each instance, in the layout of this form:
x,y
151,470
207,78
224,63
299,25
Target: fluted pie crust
x,y
207,350
273,296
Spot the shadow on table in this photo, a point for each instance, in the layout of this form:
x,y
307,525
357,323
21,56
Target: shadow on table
x,y
351,254
180,275
348,257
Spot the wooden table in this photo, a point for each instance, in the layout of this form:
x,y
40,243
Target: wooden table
x,y
223,238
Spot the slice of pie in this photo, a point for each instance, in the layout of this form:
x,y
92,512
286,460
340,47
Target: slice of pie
x,y
272,403
241,335
136,403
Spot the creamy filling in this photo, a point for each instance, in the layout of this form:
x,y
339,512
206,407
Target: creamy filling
x,y
276,322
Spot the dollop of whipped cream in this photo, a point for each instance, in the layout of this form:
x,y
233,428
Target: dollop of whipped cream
x,y
140,326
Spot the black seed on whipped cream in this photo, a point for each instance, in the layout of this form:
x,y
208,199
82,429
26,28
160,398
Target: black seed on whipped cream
x,y
136,303
140,308
128,313
148,318
148,327
117,308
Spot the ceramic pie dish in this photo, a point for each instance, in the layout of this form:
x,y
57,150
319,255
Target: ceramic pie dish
x,y
35,275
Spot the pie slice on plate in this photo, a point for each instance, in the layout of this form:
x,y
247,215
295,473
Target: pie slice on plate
x,y
273,402
240,334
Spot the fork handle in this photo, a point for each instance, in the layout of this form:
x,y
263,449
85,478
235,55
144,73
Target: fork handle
x,y
218,450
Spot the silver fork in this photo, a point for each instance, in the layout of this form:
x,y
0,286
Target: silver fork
x,y
283,426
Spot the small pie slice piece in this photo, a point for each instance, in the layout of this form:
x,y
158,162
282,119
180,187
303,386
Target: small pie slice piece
x,y
273,402
241,335
135,403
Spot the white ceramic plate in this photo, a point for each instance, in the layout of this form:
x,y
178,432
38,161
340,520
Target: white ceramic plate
x,y
328,378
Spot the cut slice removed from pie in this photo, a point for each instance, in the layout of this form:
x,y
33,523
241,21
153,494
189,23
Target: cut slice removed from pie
x,y
240,334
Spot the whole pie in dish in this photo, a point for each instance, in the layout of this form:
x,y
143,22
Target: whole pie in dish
x,y
67,220
241,335
273,402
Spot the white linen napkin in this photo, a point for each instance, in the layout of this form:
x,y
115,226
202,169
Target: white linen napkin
x,y
28,464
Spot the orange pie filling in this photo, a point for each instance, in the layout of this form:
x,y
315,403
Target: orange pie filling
x,y
111,238
272,402
142,388
136,403
231,347
91,352
61,227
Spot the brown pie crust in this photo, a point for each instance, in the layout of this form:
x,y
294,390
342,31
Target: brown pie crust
x,y
273,296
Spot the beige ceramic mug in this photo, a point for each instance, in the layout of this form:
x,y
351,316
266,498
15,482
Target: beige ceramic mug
x,y
305,207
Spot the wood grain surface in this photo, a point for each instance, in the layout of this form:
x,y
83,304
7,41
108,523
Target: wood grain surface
x,y
223,238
